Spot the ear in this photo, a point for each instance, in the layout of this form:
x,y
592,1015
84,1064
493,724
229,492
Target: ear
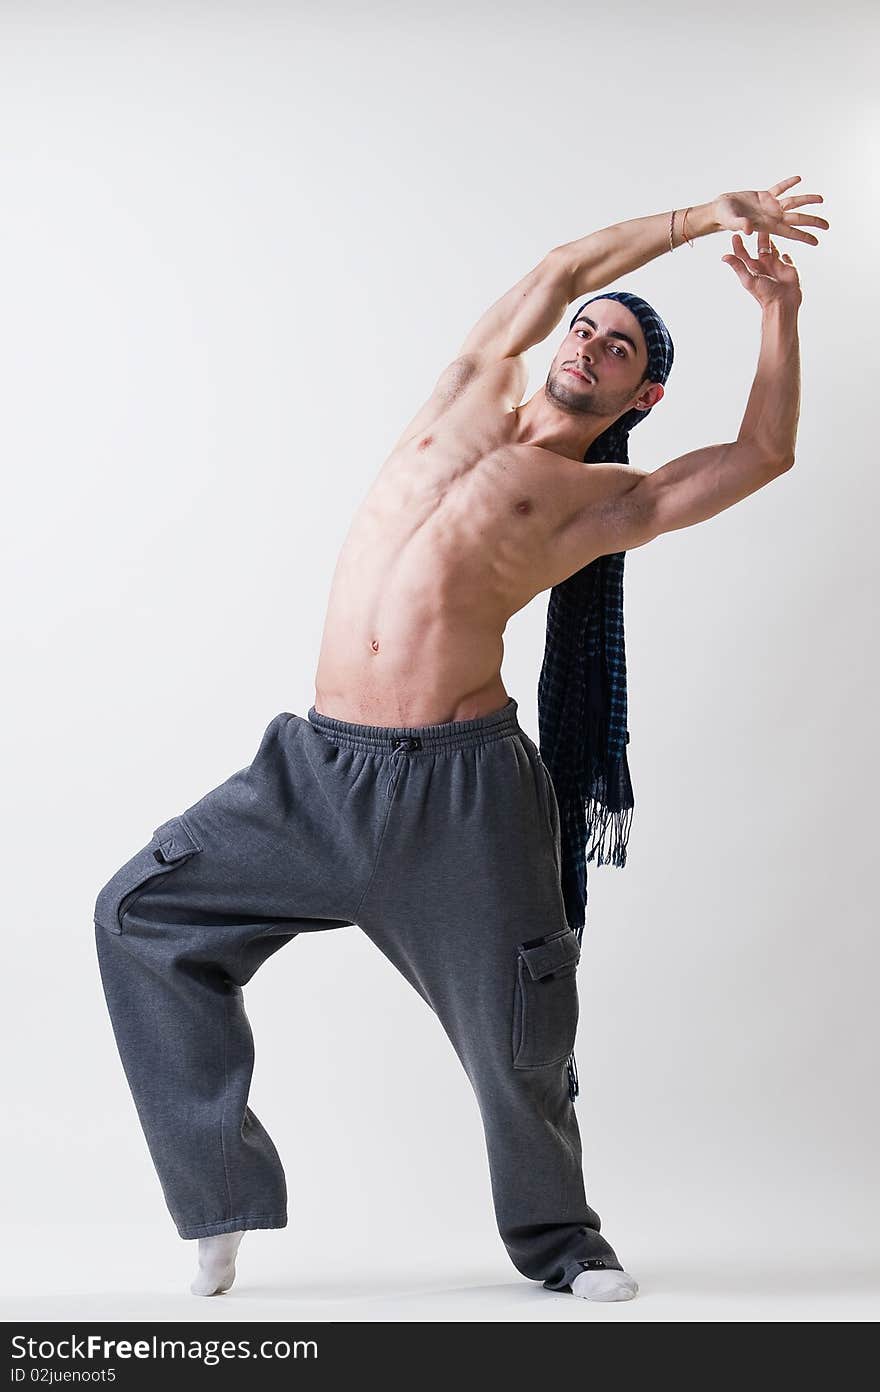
x,y
649,397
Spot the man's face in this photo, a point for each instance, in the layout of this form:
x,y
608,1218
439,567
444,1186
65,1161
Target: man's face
x,y
601,363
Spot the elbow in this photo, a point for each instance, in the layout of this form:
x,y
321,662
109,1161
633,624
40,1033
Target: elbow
x,y
557,264
763,455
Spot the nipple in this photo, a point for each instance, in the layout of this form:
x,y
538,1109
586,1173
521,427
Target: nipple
x,y
524,505
428,440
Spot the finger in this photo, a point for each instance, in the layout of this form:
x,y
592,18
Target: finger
x,y
786,183
740,250
745,262
742,271
798,200
805,218
785,229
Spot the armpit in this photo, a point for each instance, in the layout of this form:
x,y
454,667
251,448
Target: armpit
x,y
609,519
456,377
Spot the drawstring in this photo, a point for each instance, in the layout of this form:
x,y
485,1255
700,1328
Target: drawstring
x,y
398,749
410,742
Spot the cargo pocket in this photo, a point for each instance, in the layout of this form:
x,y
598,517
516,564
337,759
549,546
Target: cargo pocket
x,y
545,1012
173,843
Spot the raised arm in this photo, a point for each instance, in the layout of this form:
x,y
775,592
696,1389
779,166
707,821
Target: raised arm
x,y
704,482
532,308
699,485
603,257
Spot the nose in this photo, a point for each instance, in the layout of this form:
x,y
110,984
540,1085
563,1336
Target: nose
x,y
584,359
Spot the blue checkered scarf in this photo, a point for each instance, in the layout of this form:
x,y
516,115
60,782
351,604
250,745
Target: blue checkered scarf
x,y
582,702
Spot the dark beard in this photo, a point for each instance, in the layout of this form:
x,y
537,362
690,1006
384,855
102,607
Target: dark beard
x,y
577,403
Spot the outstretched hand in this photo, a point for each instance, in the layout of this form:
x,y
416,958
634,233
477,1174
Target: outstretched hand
x,y
770,278
767,212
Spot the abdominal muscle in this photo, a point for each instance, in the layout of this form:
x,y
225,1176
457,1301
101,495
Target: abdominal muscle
x,y
439,556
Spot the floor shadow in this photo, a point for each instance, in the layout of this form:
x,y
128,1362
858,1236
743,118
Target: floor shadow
x,y
400,1289
830,1276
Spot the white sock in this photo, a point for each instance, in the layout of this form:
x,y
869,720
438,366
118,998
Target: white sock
x,y
607,1284
216,1271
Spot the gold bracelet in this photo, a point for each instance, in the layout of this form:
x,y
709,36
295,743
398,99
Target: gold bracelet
x,y
671,225
684,229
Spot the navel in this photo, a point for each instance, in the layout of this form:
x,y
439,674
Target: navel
x,y
375,645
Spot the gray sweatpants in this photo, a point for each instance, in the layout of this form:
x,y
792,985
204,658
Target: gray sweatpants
x,y
441,842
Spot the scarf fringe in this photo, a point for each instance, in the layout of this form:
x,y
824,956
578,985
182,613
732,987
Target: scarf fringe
x,y
609,831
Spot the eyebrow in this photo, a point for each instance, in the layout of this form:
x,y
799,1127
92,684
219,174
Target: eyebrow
x,y
612,333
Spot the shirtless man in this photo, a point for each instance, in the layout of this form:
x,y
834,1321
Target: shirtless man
x,y
410,802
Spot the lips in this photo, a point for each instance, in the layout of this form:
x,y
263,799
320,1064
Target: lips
x,y
576,372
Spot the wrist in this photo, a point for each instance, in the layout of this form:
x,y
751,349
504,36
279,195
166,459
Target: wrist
x,y
701,220
780,313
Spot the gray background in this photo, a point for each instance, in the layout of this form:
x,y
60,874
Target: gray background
x,y
192,195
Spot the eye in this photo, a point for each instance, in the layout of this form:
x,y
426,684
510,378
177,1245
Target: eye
x,y
618,351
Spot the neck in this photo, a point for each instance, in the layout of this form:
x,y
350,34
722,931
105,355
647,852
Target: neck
x,y
544,423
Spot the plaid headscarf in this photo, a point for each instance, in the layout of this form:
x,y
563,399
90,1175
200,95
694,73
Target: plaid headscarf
x,y
582,705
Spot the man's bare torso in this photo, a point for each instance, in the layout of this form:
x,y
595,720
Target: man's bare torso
x,y
462,527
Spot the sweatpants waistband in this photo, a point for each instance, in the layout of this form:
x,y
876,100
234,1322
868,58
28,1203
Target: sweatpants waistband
x,y
452,734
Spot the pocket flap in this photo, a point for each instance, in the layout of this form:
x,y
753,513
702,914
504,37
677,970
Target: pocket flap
x,y
176,841
552,954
